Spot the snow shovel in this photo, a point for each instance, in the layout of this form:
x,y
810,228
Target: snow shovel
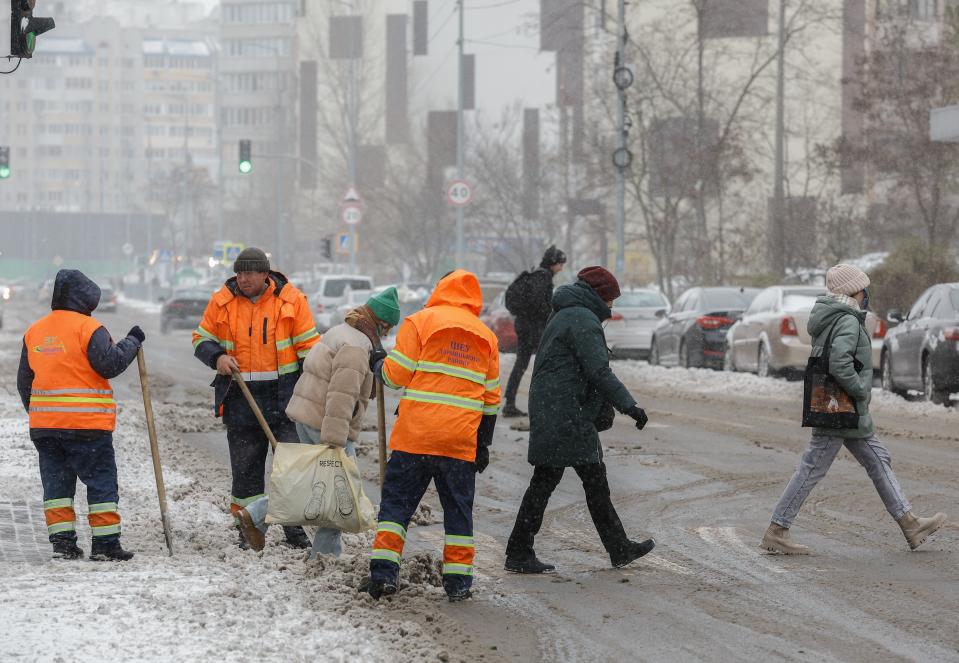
x,y
256,408
381,428
154,449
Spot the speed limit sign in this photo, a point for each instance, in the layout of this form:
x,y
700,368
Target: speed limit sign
x,y
351,214
459,193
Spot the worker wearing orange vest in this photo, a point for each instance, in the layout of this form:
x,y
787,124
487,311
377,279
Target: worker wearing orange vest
x,y
260,325
447,363
66,362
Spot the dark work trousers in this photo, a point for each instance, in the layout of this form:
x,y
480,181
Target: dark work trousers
x,y
527,340
248,449
544,482
407,478
62,462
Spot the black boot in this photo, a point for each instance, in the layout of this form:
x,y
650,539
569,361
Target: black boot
x,y
109,551
65,547
529,564
296,537
510,411
456,591
241,542
633,551
376,588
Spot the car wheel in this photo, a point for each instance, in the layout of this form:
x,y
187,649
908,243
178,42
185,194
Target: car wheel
x,y
683,355
930,391
729,365
764,370
654,353
164,328
885,374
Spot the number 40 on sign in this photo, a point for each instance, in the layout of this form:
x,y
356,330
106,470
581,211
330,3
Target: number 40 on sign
x,y
459,193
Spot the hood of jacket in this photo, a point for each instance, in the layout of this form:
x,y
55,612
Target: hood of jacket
x,y
580,294
74,291
826,311
459,288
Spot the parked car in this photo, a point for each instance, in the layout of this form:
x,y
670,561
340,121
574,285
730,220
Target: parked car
x,y
184,309
770,338
108,300
693,333
329,294
922,351
500,321
629,333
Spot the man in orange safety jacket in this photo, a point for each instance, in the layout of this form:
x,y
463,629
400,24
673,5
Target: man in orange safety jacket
x,y
447,363
260,325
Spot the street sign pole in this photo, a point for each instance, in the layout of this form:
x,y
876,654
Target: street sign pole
x,y
621,140
459,138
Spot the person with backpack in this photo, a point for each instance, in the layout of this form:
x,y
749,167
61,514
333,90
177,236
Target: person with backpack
x,y
837,320
529,300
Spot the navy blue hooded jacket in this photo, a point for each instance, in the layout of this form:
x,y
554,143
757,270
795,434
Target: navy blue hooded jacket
x,y
73,291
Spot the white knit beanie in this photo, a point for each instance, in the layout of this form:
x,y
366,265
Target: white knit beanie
x,y
846,280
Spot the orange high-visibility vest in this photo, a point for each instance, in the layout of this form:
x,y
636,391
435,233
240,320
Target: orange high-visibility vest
x,y
268,338
67,393
447,362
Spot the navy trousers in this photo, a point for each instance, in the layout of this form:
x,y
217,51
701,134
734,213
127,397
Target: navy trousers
x,y
62,462
407,478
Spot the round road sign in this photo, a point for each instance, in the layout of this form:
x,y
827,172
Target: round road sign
x,y
351,214
459,193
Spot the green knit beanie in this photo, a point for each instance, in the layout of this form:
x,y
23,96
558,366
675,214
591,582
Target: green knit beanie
x,y
386,306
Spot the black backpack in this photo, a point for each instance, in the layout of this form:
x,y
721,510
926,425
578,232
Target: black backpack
x,y
519,295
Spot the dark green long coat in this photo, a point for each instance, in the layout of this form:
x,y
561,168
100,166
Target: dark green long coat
x,y
571,381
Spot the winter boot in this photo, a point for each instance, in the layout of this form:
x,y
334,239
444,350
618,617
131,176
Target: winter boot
x,y
296,537
65,547
917,530
376,588
109,551
249,532
457,595
241,541
633,551
510,411
776,539
528,564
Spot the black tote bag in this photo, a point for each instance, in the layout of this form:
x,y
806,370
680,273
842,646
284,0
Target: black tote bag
x,y
825,403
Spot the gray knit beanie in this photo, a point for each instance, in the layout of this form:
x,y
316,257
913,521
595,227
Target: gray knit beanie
x,y
846,280
251,259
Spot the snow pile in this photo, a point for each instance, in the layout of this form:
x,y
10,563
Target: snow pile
x,y
141,305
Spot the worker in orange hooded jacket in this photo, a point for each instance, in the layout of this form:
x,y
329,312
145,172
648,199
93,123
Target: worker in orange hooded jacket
x,y
447,363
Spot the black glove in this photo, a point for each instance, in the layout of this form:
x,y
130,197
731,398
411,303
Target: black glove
x,y
482,458
639,414
137,333
377,356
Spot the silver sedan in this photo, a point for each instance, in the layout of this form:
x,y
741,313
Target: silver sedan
x,y
636,313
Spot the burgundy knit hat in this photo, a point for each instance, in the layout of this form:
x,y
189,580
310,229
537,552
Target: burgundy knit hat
x,y
602,281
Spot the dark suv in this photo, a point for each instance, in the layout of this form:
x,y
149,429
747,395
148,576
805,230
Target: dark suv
x,y
922,351
693,334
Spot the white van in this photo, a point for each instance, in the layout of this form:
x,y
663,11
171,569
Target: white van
x,y
329,294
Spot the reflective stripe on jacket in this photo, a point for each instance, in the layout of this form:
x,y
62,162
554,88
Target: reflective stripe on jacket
x,y
268,337
67,393
447,362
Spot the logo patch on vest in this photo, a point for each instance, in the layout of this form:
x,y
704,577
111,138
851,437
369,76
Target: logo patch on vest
x,y
51,345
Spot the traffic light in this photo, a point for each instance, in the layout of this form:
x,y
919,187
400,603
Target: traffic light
x,y
246,157
24,28
327,248
4,162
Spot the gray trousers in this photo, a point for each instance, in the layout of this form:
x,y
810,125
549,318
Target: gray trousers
x,y
815,463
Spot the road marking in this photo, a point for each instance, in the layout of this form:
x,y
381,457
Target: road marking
x,y
728,538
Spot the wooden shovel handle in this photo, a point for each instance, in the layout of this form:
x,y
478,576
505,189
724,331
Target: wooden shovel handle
x,y
253,406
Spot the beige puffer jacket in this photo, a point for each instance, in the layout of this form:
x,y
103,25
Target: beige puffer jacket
x,y
334,389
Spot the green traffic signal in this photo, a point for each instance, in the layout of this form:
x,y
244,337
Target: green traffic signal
x,y
246,157
4,172
246,167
